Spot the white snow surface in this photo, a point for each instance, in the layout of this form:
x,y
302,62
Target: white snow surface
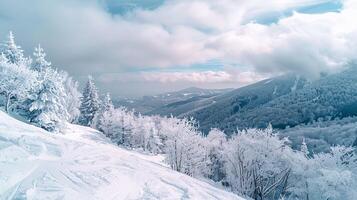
x,y
83,164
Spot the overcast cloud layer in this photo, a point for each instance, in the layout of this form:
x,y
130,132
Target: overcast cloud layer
x,y
152,50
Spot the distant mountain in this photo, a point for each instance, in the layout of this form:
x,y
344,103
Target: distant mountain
x,y
158,104
211,111
283,101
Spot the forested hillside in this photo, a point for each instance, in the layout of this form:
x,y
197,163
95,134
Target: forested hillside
x,y
283,101
213,112
327,98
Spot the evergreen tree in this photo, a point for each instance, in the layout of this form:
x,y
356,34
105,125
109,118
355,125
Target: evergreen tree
x,y
47,108
89,104
107,103
14,53
40,61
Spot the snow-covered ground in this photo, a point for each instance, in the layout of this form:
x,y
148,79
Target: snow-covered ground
x,y
82,164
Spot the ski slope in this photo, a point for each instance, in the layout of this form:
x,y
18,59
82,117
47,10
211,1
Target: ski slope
x,y
82,164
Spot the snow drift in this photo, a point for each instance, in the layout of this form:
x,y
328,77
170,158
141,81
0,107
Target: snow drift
x,y
82,164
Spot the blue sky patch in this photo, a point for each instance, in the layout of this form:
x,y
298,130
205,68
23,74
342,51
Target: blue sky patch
x,y
274,17
123,6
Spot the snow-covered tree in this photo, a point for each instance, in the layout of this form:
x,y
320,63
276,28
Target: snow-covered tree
x,y
15,83
40,61
153,143
72,100
256,164
108,125
13,52
89,103
106,105
331,175
184,146
145,135
118,125
214,143
47,108
337,178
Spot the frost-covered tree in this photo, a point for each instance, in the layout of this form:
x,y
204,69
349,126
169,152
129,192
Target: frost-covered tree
x,y
13,52
335,174
184,146
15,83
89,103
106,105
145,135
153,143
108,125
72,100
214,143
40,61
118,125
125,128
330,175
47,103
45,107
256,164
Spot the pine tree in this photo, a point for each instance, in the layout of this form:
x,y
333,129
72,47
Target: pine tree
x,y
14,53
107,103
40,61
47,108
89,104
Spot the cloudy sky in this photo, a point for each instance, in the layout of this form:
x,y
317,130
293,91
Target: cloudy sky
x,y
139,47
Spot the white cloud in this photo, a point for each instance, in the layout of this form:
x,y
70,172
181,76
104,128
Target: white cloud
x,y
302,43
82,37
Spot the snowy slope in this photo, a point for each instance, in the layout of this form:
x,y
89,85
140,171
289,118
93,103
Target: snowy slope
x,y
81,164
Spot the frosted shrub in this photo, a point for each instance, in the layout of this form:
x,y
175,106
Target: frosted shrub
x,y
257,164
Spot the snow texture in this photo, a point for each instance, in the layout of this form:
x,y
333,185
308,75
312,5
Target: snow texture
x,y
83,164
